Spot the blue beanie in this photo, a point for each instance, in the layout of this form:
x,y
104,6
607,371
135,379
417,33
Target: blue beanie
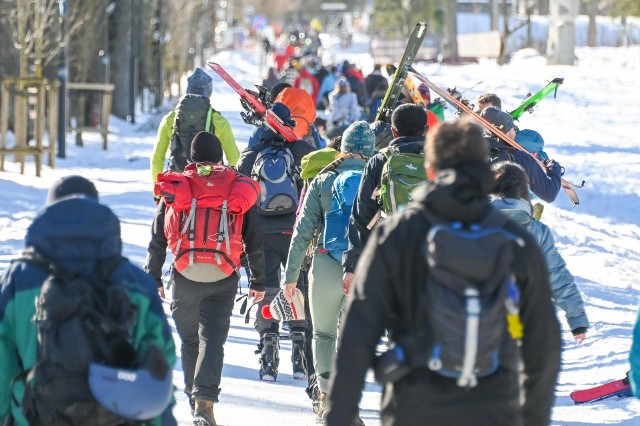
x,y
199,83
284,113
358,139
531,141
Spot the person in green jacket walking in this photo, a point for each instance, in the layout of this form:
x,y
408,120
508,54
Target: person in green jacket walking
x,y
326,295
197,115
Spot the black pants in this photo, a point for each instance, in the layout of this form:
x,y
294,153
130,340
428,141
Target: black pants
x,y
202,313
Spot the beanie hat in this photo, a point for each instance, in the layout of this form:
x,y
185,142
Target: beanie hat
x,y
283,113
282,310
358,138
498,118
199,83
206,146
69,186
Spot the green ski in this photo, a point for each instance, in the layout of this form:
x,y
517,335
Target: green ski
x,y
532,100
397,82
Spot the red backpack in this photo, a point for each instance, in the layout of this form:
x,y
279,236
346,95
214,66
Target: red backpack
x,y
203,221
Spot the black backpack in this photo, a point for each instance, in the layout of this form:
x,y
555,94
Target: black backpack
x,y
472,299
193,115
80,321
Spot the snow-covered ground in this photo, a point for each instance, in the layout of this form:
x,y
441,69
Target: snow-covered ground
x,y
591,128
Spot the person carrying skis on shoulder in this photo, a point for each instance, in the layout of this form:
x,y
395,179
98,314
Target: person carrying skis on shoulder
x,y
207,217
325,216
192,115
275,164
464,294
511,196
545,184
408,126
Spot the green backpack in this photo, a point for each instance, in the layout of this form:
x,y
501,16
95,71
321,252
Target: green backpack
x,y
401,173
192,116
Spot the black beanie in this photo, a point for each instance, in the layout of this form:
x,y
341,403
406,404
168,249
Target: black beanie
x,y
206,146
71,185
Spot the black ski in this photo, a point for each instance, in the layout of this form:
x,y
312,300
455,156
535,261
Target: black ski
x,y
397,82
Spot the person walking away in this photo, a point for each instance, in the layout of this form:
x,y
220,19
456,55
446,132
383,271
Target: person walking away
x,y
408,127
53,332
511,196
275,164
324,217
192,115
207,217
450,241
343,105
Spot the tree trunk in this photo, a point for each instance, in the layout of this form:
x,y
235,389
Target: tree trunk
x,y
120,69
494,15
562,36
451,30
592,30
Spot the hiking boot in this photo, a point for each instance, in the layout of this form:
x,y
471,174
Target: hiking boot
x,y
297,355
204,413
320,408
269,358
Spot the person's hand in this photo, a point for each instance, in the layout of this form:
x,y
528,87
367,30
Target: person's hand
x,y
289,291
347,278
553,168
161,292
256,295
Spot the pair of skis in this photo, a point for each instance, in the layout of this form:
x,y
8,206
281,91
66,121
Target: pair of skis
x,y
616,389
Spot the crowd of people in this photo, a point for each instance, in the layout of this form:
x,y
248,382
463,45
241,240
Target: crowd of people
x,y
374,223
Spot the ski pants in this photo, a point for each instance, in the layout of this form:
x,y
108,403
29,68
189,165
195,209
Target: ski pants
x,y
326,301
202,314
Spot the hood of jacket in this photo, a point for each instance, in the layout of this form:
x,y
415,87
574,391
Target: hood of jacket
x,y
460,194
75,232
412,144
518,210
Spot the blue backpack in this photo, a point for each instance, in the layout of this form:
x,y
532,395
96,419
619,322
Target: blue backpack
x,y
336,221
277,174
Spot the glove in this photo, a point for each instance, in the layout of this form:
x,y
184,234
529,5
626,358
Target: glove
x,y
554,168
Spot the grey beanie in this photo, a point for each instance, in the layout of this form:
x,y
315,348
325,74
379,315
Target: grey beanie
x,y
358,138
199,83
498,118
69,186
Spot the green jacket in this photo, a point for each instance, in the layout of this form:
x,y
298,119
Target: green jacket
x,y
316,202
222,130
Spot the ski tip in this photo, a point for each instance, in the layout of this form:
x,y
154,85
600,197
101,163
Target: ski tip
x,y
558,80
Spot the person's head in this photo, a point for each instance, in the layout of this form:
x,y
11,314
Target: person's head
x,y
408,120
511,181
71,186
500,119
488,100
423,89
342,85
206,147
276,89
358,138
199,83
453,144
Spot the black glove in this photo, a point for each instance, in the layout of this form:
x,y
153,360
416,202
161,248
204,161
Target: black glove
x,y
554,168
579,330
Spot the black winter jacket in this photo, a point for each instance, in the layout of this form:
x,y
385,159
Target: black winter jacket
x,y
366,206
281,223
388,292
251,236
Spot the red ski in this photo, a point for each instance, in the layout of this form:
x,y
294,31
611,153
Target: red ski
x,y
259,113
620,388
461,106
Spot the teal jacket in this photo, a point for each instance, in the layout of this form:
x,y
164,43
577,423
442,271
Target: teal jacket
x,y
565,292
75,233
316,202
634,359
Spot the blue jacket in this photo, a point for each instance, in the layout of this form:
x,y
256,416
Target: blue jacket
x,y
565,292
74,232
634,359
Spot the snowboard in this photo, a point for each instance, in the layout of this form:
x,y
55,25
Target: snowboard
x,y
397,82
619,388
462,107
532,100
257,111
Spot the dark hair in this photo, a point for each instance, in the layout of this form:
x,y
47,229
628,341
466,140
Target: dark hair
x,y
276,89
511,181
490,98
454,143
409,120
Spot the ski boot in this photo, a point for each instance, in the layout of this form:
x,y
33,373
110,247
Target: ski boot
x,y
321,407
269,358
203,413
297,355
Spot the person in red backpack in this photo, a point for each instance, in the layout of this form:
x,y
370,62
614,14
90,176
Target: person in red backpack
x,y
207,217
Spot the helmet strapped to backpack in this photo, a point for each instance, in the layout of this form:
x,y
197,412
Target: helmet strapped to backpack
x,y
204,217
276,172
471,296
192,116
